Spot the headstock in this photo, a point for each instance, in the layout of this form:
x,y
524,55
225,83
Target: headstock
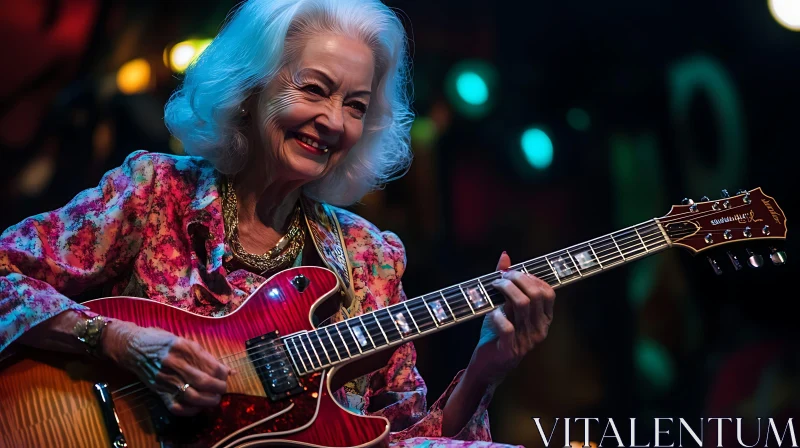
x,y
748,218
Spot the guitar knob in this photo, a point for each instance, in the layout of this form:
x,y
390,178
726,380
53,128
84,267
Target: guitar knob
x,y
754,260
726,205
715,206
693,207
687,201
725,194
714,265
727,234
734,261
709,239
778,257
747,232
765,230
746,199
704,199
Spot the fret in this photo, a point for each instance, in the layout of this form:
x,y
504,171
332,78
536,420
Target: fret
x,y
427,306
584,259
380,328
595,256
574,264
525,269
554,270
344,342
324,350
327,332
305,349
391,332
350,329
438,309
466,298
448,306
298,355
398,319
618,249
563,269
365,330
411,317
421,314
311,343
640,239
476,296
632,246
485,293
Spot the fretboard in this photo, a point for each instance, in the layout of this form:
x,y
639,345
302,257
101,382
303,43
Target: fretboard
x,y
396,324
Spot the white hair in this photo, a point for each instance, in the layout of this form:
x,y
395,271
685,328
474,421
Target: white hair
x,y
259,38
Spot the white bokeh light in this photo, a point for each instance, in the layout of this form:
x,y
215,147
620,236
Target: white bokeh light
x,y
786,12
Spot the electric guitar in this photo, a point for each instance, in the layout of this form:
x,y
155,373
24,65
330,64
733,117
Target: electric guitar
x,y
281,394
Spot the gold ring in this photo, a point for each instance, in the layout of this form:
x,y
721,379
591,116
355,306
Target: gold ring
x,y
181,390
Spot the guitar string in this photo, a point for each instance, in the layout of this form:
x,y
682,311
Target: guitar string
x,y
459,307
417,306
371,327
653,224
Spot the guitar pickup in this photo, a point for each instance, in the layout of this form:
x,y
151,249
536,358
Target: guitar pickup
x,y
273,367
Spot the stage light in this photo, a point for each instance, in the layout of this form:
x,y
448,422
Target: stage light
x,y
423,131
184,53
537,148
786,12
134,76
578,119
470,87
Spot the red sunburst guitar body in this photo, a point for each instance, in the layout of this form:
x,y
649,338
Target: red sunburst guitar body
x,y
48,399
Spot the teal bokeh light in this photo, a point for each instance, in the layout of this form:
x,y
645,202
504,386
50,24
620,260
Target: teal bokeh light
x,y
472,88
537,148
578,119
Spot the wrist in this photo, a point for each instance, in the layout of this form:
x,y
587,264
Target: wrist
x,y
89,329
115,337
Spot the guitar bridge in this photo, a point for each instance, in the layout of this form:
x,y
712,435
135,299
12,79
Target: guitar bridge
x,y
273,367
106,403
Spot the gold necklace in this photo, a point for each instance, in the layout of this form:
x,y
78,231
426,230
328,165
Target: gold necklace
x,y
281,255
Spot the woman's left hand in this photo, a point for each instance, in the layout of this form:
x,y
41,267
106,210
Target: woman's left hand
x,y
511,331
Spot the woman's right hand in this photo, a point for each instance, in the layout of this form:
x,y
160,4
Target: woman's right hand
x,y
165,363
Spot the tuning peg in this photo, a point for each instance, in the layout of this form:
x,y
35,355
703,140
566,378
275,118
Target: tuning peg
x,y
734,261
778,257
725,194
687,201
754,260
741,191
704,199
714,265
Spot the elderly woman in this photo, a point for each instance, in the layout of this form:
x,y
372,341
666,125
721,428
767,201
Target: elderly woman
x,y
295,106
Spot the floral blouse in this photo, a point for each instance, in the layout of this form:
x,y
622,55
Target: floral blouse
x,y
153,228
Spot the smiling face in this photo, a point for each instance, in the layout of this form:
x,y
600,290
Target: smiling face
x,y
313,112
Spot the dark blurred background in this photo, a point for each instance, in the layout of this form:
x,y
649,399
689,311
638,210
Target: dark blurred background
x,y
539,124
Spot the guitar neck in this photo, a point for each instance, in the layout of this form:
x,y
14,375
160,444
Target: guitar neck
x,y
396,324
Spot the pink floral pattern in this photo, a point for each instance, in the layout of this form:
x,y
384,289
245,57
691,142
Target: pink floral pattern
x,y
153,228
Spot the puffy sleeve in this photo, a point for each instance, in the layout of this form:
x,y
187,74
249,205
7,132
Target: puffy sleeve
x,y
398,392
50,256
